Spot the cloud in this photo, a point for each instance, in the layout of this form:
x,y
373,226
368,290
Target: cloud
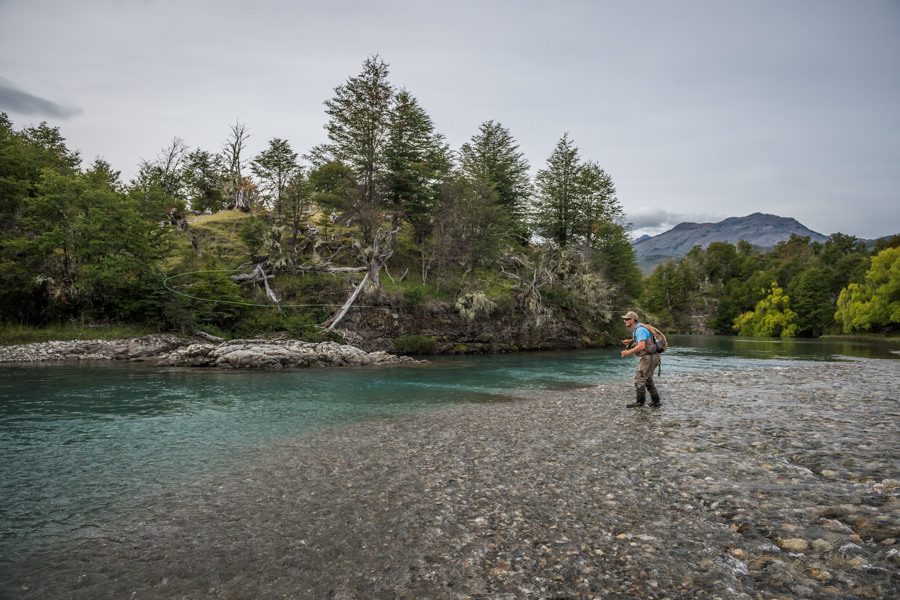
x,y
14,100
653,221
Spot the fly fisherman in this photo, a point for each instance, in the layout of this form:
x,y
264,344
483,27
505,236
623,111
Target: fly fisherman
x,y
640,345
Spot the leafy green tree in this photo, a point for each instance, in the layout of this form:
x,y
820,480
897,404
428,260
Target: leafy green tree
x,y
417,160
493,156
332,185
86,246
560,196
873,304
664,294
275,166
117,251
811,298
358,130
720,262
600,204
297,198
25,156
614,259
772,317
206,181
470,225
886,242
846,259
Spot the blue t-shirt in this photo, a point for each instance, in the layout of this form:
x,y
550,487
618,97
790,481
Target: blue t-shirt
x,y
641,333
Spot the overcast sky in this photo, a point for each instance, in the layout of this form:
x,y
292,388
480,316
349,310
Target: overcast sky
x,y
699,109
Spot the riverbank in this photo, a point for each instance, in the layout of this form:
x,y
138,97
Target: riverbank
x,y
774,483
169,350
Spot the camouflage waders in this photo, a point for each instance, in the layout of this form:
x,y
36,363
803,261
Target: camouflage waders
x,y
643,380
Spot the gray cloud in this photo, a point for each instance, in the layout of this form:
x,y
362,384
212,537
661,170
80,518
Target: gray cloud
x,y
14,100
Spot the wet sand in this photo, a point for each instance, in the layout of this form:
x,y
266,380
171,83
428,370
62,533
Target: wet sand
x,y
774,483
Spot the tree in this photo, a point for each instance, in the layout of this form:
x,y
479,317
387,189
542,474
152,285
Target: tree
x,y
772,317
664,293
470,226
493,156
167,170
811,298
296,199
358,129
417,161
846,259
116,249
232,155
614,259
276,167
600,204
205,178
87,247
559,199
873,304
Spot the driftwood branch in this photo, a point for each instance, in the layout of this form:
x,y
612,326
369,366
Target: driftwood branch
x,y
258,275
207,336
335,319
375,258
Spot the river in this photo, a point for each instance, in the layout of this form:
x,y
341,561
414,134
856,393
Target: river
x,y
80,443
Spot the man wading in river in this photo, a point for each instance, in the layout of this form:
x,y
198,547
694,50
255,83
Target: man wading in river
x,y
639,344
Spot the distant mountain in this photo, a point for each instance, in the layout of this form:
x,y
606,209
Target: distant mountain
x,y
761,230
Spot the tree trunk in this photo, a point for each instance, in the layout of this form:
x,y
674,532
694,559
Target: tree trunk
x,y
333,321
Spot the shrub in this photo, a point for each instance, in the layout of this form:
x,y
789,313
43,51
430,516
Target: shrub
x,y
415,344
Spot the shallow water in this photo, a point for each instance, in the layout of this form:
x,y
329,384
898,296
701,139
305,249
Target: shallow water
x,y
79,443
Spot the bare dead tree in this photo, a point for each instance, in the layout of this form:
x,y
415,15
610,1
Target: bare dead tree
x,y
375,257
238,198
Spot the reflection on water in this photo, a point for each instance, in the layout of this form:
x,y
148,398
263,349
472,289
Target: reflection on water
x,y
79,442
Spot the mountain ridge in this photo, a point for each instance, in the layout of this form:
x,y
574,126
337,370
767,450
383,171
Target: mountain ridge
x,y
759,229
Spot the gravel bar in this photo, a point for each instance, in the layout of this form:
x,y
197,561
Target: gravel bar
x,y
758,484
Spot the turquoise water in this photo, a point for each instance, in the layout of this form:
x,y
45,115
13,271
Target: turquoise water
x,y
79,443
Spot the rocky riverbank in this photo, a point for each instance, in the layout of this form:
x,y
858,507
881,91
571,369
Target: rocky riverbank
x,y
175,351
767,484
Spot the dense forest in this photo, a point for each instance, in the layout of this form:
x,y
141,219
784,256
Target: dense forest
x,y
384,213
800,288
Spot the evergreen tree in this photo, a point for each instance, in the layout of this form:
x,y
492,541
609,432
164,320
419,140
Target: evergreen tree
x,y
418,160
560,204
493,156
358,131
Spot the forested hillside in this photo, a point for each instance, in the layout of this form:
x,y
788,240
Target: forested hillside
x,y
384,229
382,214
801,288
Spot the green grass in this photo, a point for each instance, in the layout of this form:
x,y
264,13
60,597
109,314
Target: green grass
x,y
13,334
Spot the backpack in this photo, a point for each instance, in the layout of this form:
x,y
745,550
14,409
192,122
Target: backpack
x,y
658,340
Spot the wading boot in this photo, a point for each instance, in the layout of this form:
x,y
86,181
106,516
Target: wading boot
x,y
637,403
655,401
